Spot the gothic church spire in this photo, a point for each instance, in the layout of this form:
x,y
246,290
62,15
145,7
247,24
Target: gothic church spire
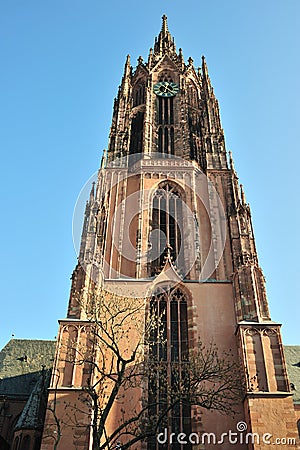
x,y
165,42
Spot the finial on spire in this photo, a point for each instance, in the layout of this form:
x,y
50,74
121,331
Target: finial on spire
x,y
104,159
231,161
150,57
243,197
204,66
168,256
92,193
164,27
169,249
127,68
190,61
205,76
180,58
126,77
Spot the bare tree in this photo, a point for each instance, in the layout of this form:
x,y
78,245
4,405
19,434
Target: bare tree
x,y
53,433
124,370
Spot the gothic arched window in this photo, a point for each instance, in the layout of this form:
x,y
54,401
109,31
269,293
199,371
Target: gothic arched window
x,y
168,352
166,229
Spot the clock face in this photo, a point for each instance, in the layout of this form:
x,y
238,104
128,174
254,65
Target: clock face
x,y
166,89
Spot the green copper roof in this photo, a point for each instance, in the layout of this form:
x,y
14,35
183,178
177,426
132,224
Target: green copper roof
x,y
21,362
292,356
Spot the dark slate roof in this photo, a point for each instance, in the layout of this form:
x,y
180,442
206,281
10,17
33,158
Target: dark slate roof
x,y
292,356
32,416
21,362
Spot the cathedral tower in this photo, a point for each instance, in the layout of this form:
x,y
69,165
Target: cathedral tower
x,y
167,221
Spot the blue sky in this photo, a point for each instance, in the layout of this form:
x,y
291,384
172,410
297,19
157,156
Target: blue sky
x,y
61,63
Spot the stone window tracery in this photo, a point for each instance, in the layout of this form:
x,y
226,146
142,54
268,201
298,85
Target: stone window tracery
x,y
166,224
169,349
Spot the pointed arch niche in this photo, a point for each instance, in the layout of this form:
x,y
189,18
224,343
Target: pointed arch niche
x,y
194,121
138,115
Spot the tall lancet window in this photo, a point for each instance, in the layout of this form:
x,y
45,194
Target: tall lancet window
x,y
166,228
168,355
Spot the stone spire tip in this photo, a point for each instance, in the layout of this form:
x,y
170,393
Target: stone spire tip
x,y
164,27
164,43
